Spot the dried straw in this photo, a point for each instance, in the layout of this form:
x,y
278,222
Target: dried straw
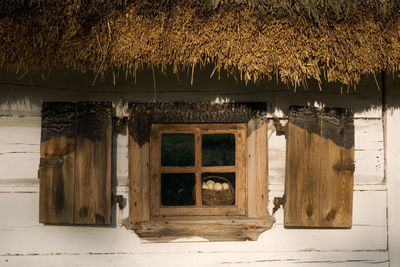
x,y
292,40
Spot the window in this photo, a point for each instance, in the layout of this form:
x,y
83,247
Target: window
x,y
198,169
176,150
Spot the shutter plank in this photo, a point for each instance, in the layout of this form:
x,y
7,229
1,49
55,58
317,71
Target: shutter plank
x,y
257,172
57,164
93,163
301,187
319,168
338,168
139,174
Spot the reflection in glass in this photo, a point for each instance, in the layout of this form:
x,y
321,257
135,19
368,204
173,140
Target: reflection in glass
x,y
177,150
177,189
218,149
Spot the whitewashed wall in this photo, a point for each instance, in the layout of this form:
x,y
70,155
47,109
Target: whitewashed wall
x,y
25,242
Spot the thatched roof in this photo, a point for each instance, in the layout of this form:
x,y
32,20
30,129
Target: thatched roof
x,y
337,40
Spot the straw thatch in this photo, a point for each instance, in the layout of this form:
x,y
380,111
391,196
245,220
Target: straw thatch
x,y
339,40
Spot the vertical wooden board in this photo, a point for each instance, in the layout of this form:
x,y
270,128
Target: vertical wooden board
x,y
155,184
337,186
257,172
93,163
301,190
198,162
337,168
242,171
57,163
139,196
319,168
145,174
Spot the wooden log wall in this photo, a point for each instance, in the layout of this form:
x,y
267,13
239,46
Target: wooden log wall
x,y
24,241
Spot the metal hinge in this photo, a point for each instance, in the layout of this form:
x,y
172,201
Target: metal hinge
x,y
118,199
56,161
280,129
278,202
339,167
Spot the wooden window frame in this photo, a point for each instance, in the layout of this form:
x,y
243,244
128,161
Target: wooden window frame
x,y
254,217
238,129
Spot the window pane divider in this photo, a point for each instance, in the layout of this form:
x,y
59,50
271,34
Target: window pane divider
x,y
170,169
194,169
239,207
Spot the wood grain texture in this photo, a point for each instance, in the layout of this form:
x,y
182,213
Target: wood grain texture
x,y
139,173
257,172
57,163
155,185
241,170
57,181
211,228
368,153
93,164
319,170
336,187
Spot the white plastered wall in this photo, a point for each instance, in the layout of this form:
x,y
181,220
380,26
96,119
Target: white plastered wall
x,y
23,241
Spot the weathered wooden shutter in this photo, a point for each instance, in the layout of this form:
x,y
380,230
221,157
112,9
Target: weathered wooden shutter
x,y
75,164
57,163
319,168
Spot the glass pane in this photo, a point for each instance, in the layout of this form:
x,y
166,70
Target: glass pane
x,y
218,188
177,189
177,149
218,149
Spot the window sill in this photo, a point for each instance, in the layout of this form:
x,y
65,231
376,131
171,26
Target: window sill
x,y
238,228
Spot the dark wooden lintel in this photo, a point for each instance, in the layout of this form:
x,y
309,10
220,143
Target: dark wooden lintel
x,y
142,115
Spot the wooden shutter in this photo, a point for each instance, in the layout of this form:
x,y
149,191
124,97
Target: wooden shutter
x,y
57,163
319,168
75,164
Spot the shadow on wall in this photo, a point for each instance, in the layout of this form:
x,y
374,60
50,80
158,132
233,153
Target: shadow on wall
x,y
24,96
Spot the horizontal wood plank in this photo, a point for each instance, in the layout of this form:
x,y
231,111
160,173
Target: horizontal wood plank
x,y
20,150
20,143
172,169
24,97
210,228
199,258
199,210
363,245
20,229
